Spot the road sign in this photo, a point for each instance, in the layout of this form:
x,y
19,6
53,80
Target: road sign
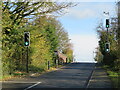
x,y
26,38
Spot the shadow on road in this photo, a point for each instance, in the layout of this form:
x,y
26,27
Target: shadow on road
x,y
74,75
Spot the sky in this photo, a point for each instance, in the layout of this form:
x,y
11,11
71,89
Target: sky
x,y
81,21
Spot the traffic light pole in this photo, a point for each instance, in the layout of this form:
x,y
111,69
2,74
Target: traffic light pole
x,y
27,62
107,35
107,30
27,44
107,45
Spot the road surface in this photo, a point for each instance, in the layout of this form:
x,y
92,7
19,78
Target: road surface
x,y
74,75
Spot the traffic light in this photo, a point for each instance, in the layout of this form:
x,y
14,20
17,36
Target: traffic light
x,y
107,23
26,38
107,47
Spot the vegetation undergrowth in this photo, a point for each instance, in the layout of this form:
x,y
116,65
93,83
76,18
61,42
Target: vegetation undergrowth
x,y
20,74
114,75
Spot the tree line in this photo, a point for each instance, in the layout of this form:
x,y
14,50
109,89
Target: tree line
x,y
46,35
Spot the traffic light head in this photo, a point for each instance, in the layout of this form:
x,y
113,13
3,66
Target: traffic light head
x,y
107,23
26,38
107,47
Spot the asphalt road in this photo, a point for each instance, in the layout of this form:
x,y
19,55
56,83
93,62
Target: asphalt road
x,y
74,75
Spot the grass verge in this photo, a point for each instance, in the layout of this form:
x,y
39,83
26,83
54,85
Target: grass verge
x,y
114,76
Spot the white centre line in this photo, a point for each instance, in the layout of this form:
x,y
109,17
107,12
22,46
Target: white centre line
x,y
32,86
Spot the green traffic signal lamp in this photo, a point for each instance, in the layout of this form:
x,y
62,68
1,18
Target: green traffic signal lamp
x,y
26,43
26,38
107,23
107,26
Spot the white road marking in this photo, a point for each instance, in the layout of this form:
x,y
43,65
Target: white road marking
x,y
16,82
32,86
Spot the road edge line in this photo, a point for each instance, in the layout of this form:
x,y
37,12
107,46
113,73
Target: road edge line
x,y
90,77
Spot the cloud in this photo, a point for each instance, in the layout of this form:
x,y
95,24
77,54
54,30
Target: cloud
x,y
83,13
84,45
90,10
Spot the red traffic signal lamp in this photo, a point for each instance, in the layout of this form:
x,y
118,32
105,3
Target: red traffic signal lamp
x,y
26,38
